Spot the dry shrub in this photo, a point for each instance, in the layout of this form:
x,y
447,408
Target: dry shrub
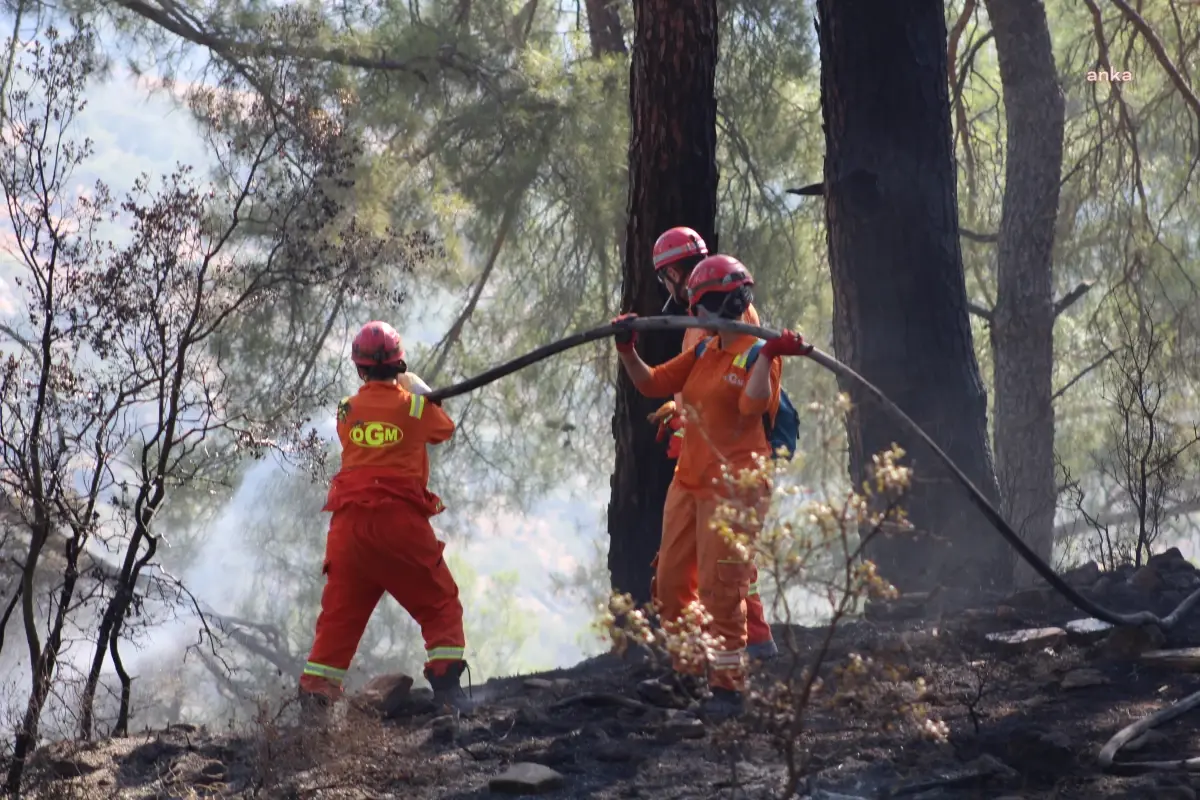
x,y
350,746
812,543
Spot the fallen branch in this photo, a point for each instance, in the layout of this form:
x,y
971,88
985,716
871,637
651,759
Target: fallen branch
x,y
600,699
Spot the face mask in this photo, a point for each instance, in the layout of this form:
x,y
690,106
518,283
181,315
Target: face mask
x,y
722,305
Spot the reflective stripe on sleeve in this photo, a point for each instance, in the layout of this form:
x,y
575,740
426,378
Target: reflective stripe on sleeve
x,y
416,406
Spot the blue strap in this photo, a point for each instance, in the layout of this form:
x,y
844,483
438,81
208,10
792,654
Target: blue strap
x,y
752,353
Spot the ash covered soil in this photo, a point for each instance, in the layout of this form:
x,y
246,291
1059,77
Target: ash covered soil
x,y
1029,700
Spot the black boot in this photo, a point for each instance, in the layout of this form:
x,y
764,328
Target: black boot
x,y
315,707
722,705
673,690
448,692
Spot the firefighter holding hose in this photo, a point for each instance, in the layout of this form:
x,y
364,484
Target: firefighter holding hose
x,y
380,539
676,253
725,401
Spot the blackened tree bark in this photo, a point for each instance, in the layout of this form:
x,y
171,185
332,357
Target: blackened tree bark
x,y
1022,323
672,181
604,27
900,304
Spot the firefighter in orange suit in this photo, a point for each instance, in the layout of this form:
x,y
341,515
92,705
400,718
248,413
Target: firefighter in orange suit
x,y
725,405
380,539
676,253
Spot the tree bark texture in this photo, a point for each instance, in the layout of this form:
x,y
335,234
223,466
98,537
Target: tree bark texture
x,y
900,303
672,181
1022,327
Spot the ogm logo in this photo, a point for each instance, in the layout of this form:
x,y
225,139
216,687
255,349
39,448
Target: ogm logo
x,y
375,434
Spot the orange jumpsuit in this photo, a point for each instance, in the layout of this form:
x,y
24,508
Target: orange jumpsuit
x,y
756,620
380,539
727,429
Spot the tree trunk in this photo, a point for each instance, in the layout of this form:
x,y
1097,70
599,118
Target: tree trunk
x,y
43,667
900,304
1022,327
605,33
672,181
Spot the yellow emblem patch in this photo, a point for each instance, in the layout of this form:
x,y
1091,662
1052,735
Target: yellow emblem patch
x,y
376,434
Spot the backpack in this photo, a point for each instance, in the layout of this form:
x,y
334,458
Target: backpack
x,y
786,429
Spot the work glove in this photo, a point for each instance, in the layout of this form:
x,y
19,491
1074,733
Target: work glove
x,y
667,427
669,421
412,382
675,443
664,413
789,343
624,339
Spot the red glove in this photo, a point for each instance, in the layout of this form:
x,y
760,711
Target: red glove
x,y
675,444
789,343
625,339
668,427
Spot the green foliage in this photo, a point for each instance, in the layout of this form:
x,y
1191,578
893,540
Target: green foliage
x,y
518,144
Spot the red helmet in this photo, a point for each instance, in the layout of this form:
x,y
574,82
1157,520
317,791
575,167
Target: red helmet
x,y
717,274
377,344
677,244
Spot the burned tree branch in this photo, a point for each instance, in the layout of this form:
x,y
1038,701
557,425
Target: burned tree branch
x,y
979,311
1071,297
985,238
1081,375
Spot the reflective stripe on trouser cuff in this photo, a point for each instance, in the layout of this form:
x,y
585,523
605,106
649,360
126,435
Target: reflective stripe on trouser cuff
x,y
753,589
322,671
727,659
445,654
678,433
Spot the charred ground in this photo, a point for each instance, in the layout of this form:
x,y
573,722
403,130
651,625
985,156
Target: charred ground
x,y
1027,715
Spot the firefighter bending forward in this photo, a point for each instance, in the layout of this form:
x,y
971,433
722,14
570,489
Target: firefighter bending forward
x,y
676,253
380,539
725,404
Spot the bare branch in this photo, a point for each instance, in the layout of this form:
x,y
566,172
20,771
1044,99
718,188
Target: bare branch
x,y
1081,375
443,347
1071,297
981,312
985,238
1160,53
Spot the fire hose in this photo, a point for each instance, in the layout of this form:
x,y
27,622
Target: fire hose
x,y
977,498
